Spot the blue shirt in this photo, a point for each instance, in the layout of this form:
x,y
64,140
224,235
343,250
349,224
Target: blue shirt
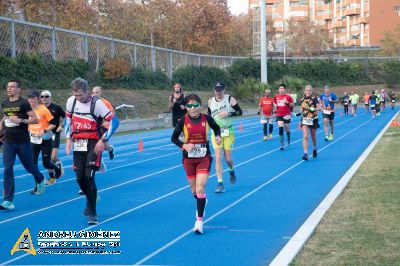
x,y
325,99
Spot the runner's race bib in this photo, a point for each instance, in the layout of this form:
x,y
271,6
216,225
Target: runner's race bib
x,y
9,123
366,103
199,151
35,139
372,105
393,101
264,121
308,121
224,132
287,117
327,112
80,145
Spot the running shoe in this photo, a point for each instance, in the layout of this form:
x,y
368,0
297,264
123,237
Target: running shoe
x,y
265,138
331,137
232,177
198,227
270,136
282,146
314,154
7,205
326,138
51,181
111,153
40,188
220,188
103,168
57,171
305,157
59,164
80,192
92,220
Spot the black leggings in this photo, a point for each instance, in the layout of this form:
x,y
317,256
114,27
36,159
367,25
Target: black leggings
x,y
346,109
45,147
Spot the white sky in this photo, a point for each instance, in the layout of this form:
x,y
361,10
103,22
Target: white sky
x,y
238,6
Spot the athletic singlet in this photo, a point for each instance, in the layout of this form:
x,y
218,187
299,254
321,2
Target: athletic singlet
x,y
197,134
217,107
84,125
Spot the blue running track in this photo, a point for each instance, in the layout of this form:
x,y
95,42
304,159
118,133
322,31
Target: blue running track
x,y
145,196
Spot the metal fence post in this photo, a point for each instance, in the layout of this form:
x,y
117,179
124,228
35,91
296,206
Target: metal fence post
x,y
135,56
13,45
112,48
86,48
170,64
199,60
53,44
153,58
186,59
214,62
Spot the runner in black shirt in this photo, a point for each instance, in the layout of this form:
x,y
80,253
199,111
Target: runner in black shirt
x,y
17,114
345,102
58,116
177,104
392,96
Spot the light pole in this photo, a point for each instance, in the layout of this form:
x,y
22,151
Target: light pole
x,y
263,15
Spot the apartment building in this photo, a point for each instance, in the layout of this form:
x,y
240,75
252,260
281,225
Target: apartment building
x,y
349,22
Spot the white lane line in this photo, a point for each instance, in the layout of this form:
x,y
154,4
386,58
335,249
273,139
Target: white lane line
x,y
156,252
290,250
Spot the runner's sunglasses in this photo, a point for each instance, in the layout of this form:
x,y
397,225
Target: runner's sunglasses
x,y
192,105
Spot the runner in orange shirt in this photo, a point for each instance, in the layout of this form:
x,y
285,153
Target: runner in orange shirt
x,y
41,134
266,111
366,101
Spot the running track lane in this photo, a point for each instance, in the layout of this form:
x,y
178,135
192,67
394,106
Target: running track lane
x,y
243,229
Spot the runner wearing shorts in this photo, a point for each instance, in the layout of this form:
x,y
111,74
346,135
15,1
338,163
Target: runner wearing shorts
x,y
366,101
266,110
309,107
283,104
372,102
327,102
196,152
392,96
222,107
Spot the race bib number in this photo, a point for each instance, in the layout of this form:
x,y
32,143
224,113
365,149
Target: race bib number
x,y
224,132
80,145
393,101
9,123
264,121
287,117
366,103
327,112
36,139
198,151
308,121
372,105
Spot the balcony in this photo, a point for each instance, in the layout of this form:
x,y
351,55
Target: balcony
x,y
328,16
364,20
339,24
353,12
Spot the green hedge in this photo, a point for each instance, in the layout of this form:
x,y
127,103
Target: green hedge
x,y
140,78
201,77
35,72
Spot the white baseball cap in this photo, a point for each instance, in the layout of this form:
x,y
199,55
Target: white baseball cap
x,y
46,93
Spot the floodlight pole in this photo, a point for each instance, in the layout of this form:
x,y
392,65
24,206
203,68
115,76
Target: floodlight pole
x,y
263,15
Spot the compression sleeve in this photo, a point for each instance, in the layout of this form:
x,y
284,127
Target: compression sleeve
x,y
114,124
211,122
237,112
177,131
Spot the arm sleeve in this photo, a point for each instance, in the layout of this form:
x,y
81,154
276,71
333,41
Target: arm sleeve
x,y
68,119
209,111
213,125
237,112
177,131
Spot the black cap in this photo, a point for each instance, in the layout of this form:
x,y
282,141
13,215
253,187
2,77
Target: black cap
x,y
219,86
34,93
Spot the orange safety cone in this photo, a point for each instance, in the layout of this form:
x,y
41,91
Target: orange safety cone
x,y
394,123
240,127
140,146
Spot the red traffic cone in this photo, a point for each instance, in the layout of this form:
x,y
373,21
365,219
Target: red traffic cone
x,y
240,127
140,146
394,123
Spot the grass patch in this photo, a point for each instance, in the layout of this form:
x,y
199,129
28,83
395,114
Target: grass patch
x,y
362,227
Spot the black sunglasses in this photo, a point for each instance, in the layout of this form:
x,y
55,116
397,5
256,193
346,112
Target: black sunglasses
x,y
44,96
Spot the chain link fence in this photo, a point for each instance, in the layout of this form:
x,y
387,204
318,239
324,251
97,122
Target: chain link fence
x,y
17,37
